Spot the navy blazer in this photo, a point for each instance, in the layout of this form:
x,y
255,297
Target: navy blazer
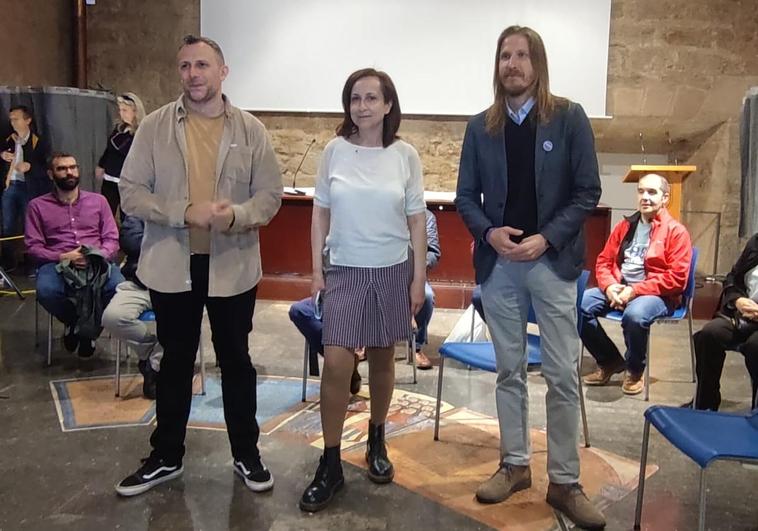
x,y
566,180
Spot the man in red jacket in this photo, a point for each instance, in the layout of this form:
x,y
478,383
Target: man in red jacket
x,y
642,272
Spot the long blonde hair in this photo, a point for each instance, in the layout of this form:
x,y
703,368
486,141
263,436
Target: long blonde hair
x,y
546,102
133,101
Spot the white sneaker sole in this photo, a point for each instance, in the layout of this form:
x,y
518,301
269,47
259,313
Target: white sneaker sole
x,y
144,487
255,487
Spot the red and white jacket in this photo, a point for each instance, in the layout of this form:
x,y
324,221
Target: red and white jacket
x,y
667,262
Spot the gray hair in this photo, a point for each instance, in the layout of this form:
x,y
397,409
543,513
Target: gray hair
x,y
190,39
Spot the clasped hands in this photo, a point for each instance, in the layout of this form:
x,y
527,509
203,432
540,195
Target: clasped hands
x,y
748,308
619,295
530,248
211,215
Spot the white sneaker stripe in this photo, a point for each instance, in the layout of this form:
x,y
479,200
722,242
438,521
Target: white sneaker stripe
x,y
158,471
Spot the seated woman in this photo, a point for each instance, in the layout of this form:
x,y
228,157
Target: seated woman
x,y
735,327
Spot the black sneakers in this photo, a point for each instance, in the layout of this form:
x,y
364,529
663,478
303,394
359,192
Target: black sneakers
x,y
254,473
149,379
153,471
86,348
70,338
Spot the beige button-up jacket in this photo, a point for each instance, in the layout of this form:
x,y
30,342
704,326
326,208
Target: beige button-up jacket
x,y
154,188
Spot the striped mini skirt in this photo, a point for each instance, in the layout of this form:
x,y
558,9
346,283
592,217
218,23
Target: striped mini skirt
x,y
367,306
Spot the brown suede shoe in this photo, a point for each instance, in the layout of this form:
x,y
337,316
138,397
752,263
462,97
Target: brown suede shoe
x,y
603,374
422,362
633,383
571,500
507,480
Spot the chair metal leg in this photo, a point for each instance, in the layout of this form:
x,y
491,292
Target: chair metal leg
x,y
585,426
641,482
561,521
647,368
701,518
36,324
49,339
118,369
306,355
412,355
439,400
692,344
473,319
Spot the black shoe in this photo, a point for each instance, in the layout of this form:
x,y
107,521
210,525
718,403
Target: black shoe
x,y
380,470
149,379
254,473
327,482
153,471
86,348
70,338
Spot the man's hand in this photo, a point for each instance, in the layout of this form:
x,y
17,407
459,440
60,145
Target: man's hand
x,y
417,295
748,308
7,156
23,167
199,215
626,296
99,173
612,294
500,238
529,249
75,257
222,215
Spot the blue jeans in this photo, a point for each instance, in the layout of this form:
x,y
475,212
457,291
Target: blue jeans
x,y
15,199
52,292
303,317
636,319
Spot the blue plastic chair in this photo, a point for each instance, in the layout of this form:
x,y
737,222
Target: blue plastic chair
x,y
683,311
149,316
704,437
482,356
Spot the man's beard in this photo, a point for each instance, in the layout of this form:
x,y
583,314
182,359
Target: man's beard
x,y
210,93
66,184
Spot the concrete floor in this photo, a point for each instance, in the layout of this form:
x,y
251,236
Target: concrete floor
x,y
55,480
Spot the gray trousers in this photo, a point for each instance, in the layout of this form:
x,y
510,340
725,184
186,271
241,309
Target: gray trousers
x,y
120,318
506,296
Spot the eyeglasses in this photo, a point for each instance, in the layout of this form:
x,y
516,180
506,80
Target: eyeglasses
x,y
71,167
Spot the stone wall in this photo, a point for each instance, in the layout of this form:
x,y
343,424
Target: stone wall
x,y
36,43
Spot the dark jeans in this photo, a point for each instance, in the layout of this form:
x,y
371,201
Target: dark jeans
x,y
53,293
14,201
711,344
636,319
178,320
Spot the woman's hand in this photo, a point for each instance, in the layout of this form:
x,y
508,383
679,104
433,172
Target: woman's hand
x,y
417,295
317,284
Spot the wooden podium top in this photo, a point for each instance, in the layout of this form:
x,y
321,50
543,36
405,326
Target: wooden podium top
x,y
674,174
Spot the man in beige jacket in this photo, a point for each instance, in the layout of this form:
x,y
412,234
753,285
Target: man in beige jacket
x,y
203,176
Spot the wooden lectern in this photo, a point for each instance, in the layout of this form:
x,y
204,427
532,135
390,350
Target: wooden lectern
x,y
675,176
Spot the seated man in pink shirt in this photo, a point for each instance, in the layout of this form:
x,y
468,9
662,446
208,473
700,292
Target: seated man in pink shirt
x,y
65,227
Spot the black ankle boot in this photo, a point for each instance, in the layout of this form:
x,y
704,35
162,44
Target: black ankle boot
x,y
326,483
380,469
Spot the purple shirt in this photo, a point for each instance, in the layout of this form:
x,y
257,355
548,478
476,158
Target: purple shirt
x,y
54,228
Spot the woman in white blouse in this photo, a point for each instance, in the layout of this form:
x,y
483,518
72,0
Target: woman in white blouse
x,y
368,213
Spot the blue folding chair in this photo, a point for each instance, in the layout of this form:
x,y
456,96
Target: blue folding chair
x,y
482,356
704,436
683,311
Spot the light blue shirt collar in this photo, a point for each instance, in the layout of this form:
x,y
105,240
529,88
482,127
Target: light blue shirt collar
x,y
519,116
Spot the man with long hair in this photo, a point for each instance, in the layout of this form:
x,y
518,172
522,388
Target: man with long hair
x,y
528,178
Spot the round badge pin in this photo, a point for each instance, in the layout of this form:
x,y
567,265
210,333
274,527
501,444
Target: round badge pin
x,y
547,145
